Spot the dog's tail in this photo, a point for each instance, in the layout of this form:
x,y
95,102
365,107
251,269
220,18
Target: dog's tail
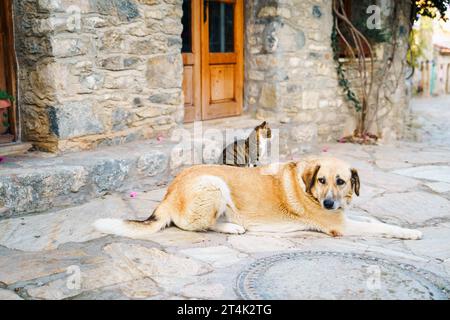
x,y
132,228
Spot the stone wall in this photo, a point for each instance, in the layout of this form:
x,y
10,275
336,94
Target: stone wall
x,y
290,71
291,74
98,72
106,72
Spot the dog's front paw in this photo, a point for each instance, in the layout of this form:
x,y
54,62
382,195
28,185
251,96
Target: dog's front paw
x,y
230,228
416,235
235,229
410,234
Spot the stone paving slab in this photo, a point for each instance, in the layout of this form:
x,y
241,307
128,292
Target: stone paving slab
x,y
439,187
128,264
8,295
409,208
433,173
48,231
218,257
16,266
401,154
388,181
259,243
435,244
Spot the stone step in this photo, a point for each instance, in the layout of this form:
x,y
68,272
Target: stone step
x,y
37,182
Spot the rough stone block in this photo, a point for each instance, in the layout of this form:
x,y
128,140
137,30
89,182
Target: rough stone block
x,y
37,190
269,96
152,163
306,133
74,119
68,47
165,71
109,174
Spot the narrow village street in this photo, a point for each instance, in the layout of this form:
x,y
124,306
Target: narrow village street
x,y
57,255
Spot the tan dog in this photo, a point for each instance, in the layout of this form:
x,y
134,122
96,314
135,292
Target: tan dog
x,y
306,195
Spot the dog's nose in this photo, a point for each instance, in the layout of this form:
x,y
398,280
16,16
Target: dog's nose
x,y
328,203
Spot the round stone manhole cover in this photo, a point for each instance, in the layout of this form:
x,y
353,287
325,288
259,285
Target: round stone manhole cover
x,y
335,275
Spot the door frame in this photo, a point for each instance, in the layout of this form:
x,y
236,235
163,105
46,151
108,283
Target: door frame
x,y
200,58
193,112
7,21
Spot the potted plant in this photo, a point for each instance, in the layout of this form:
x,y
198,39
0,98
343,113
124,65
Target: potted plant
x,y
5,102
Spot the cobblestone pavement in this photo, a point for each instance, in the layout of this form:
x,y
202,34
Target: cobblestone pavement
x,y
57,255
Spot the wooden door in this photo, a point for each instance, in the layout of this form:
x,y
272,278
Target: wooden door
x,y
222,58
7,66
214,50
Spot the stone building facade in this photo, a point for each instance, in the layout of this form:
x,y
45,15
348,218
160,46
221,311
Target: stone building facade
x,y
98,72
303,91
106,72
432,73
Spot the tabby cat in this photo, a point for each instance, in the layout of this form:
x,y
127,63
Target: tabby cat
x,y
247,152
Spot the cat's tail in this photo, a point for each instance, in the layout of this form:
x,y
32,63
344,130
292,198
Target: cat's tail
x,y
135,229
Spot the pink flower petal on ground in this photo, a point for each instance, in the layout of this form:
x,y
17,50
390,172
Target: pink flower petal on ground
x,y
325,149
160,138
133,194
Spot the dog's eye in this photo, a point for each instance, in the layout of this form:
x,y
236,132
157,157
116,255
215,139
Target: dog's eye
x,y
340,182
322,180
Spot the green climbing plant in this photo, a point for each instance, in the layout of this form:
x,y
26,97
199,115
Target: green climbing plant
x,y
430,8
6,96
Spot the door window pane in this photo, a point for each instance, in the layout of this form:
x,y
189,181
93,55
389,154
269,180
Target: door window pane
x,y
186,35
221,26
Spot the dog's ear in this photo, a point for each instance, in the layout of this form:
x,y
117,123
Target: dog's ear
x,y
355,181
309,176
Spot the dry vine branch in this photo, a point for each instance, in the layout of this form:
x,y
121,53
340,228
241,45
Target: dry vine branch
x,y
357,53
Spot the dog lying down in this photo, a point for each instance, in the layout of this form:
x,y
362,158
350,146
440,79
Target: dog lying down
x,y
309,194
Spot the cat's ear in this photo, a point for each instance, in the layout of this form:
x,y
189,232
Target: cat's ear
x,y
263,124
